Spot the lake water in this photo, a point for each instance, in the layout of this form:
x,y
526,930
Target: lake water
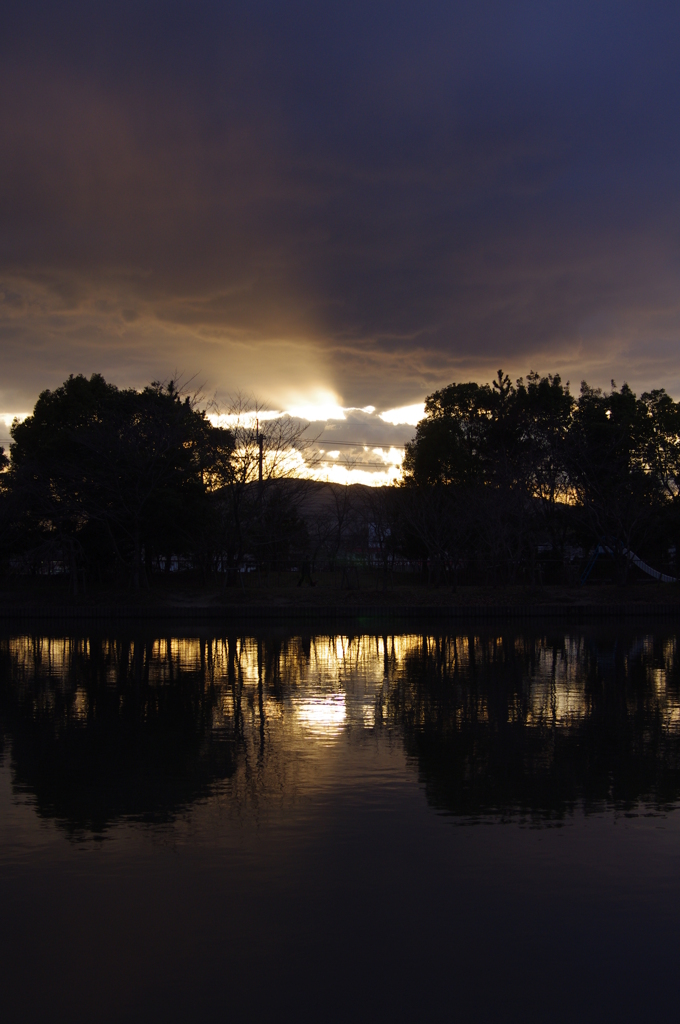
x,y
479,824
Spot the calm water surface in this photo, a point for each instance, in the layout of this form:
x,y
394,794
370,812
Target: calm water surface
x,y
479,824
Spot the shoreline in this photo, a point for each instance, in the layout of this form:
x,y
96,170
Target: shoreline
x,y
327,602
311,613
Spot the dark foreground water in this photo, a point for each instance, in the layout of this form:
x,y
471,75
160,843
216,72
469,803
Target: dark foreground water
x,y
477,825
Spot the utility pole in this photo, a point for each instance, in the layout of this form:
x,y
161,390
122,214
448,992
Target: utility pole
x,y
260,442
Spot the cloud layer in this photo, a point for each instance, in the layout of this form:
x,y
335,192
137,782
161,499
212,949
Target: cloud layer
x,y
362,199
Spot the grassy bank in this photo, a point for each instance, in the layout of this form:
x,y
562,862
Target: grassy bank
x,y
367,589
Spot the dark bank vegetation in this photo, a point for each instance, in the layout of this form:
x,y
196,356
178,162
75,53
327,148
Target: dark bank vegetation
x,y
504,483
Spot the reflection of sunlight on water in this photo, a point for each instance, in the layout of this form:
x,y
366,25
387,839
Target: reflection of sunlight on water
x,y
337,676
323,717
80,706
369,716
271,717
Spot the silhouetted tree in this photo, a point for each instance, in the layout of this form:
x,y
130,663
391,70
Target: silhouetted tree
x,y
107,471
614,468
526,463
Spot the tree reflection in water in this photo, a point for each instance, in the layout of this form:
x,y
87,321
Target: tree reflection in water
x,y
540,724
100,729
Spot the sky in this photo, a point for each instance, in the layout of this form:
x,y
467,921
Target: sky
x,y
337,206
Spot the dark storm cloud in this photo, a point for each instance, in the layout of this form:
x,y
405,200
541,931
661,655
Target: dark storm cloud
x,y
412,191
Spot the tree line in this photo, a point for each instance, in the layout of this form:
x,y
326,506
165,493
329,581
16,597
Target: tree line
x,y
499,473
107,485
503,482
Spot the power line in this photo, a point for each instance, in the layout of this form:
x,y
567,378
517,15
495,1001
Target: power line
x,y
361,444
328,441
6,441
364,465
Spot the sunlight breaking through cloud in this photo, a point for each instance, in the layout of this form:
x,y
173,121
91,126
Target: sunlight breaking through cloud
x,y
408,414
342,461
8,418
345,445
